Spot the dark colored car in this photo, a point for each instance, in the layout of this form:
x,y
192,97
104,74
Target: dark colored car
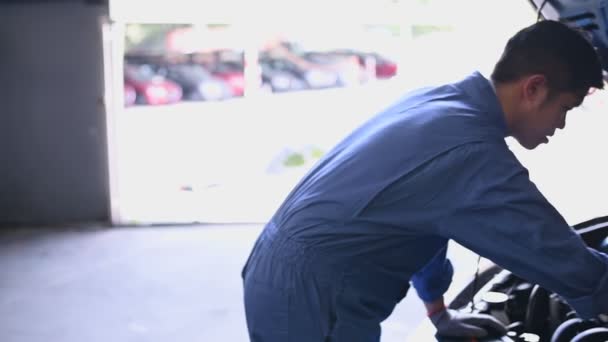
x,y
197,83
283,74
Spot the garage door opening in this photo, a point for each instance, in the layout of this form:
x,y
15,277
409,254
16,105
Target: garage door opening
x,y
216,117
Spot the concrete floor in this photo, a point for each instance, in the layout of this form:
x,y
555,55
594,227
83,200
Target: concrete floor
x,y
137,284
129,284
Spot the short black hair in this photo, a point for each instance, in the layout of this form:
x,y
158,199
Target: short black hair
x,y
562,54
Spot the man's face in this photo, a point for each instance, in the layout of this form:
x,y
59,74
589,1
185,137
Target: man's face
x,y
543,114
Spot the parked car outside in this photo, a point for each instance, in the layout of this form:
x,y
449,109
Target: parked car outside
x,y
347,68
151,88
383,67
284,75
233,74
196,82
281,79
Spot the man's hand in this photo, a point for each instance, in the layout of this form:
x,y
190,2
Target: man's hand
x,y
452,323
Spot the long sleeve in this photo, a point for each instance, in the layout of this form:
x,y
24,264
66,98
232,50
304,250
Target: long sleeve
x,y
505,218
432,281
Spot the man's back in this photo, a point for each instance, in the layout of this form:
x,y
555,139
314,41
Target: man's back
x,y
363,219
389,150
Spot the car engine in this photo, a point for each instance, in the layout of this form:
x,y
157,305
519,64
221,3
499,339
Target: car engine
x,y
532,313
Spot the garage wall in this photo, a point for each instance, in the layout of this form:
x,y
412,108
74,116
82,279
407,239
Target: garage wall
x,y
53,164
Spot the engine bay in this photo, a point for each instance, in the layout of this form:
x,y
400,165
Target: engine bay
x,y
532,313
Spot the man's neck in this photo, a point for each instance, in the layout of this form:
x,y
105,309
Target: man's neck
x,y
507,97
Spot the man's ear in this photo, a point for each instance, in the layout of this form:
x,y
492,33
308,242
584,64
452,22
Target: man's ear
x,y
535,89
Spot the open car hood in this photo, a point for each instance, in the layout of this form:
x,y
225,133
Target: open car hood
x,y
590,16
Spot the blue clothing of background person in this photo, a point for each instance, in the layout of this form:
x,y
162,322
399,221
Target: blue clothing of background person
x,y
376,213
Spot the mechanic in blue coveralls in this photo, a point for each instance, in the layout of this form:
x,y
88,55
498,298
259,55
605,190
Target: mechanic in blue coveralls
x,y
376,213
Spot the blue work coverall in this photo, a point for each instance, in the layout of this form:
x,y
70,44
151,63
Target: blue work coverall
x,y
377,211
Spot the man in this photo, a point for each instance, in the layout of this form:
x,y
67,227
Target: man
x,y
377,211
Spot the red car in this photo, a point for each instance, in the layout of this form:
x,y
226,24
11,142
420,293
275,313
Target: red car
x,y
232,74
150,88
385,68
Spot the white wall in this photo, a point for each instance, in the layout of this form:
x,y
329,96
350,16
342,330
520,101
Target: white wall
x,y
53,164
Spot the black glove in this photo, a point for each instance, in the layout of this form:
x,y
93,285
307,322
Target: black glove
x,y
452,323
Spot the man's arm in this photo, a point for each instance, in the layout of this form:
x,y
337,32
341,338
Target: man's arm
x,y
431,282
434,279
501,215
